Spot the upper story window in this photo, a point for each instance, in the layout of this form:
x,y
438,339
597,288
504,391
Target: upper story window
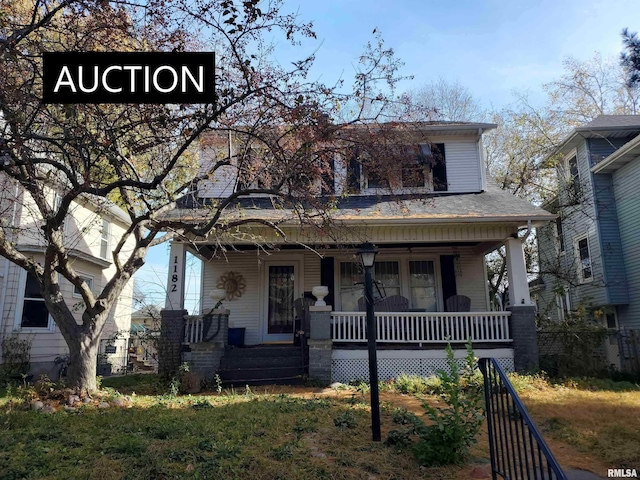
x,y
417,166
585,270
572,173
105,233
559,235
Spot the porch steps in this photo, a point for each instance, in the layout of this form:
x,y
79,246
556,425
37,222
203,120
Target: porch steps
x,y
262,365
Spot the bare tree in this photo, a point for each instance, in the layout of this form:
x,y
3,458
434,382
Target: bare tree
x,y
141,156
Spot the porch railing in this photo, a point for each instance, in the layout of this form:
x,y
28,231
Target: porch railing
x,y
423,327
193,329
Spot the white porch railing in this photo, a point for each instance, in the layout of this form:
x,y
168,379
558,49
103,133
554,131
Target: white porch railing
x,y
193,329
423,327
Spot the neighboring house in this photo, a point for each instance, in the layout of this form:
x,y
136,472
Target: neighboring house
x,y
91,231
145,332
432,240
590,256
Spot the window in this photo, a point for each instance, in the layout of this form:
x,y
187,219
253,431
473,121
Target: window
x,y
422,285
559,235
563,304
585,272
88,280
351,288
104,238
573,175
435,156
34,311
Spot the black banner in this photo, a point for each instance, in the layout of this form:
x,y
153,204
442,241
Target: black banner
x,y
119,77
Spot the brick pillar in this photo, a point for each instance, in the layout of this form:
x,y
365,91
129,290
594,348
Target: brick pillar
x,y
170,343
320,343
522,325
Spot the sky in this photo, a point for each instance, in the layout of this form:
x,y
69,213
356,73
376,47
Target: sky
x,y
491,47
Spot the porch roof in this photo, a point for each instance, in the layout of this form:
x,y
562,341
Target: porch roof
x,y
491,205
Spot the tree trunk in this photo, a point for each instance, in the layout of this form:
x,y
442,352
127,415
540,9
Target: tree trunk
x,y
83,356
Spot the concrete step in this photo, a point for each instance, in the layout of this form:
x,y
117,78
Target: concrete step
x,y
260,373
262,351
257,362
239,384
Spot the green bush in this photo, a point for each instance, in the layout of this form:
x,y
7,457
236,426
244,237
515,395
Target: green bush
x,y
454,426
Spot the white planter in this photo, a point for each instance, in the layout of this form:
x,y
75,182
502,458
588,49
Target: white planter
x,y
217,294
320,292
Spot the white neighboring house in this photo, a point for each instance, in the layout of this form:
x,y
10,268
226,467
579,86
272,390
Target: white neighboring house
x,y
91,231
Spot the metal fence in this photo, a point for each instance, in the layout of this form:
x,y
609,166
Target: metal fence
x,y
517,448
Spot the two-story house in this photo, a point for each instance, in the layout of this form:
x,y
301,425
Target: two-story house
x,y
590,256
432,236
91,231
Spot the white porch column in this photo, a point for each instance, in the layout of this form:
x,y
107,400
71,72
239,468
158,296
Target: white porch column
x,y
176,279
517,273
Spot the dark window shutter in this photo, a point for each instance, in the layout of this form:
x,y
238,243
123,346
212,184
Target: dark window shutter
x,y
354,170
439,168
448,274
328,184
327,279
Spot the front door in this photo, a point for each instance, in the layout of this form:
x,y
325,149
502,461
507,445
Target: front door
x,y
281,292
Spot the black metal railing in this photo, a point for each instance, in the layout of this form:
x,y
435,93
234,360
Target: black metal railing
x,y
517,448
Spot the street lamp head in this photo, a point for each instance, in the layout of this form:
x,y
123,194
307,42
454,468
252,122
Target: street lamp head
x,y
367,252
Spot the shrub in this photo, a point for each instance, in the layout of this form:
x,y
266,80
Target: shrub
x,y
345,419
455,426
16,354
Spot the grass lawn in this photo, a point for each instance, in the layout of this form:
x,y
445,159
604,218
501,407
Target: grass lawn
x,y
287,433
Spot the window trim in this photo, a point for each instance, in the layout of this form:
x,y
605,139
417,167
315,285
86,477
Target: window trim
x,y
17,325
85,277
403,260
576,241
105,238
561,245
567,169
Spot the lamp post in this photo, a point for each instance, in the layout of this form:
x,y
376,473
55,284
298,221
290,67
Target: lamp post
x,y
367,254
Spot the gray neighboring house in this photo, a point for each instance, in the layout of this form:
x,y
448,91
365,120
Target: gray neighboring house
x,y
595,242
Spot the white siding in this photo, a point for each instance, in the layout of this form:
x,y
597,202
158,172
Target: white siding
x,y
248,310
464,168
626,181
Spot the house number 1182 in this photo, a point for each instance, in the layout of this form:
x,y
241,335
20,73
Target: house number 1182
x,y
174,276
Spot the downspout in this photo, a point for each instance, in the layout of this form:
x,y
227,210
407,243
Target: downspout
x,y
483,167
526,235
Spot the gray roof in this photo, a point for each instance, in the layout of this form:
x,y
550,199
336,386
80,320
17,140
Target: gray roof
x,y
612,121
607,126
492,205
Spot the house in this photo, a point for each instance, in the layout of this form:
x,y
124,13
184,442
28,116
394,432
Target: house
x,y
145,330
591,254
431,234
91,232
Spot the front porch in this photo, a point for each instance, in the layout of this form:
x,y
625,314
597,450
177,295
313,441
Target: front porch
x,y
424,275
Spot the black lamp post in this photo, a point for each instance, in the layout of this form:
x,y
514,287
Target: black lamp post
x,y
368,253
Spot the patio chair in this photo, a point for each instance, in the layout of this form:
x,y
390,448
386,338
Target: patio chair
x,y
458,303
394,303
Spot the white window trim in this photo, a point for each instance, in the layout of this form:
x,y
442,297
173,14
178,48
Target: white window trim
x,y
557,239
561,311
576,240
403,264
565,163
84,276
17,325
108,238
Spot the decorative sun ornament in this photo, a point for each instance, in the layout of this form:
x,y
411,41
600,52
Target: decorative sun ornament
x,y
233,283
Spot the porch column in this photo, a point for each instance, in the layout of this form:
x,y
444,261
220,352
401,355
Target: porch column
x,y
517,273
522,322
176,278
320,343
